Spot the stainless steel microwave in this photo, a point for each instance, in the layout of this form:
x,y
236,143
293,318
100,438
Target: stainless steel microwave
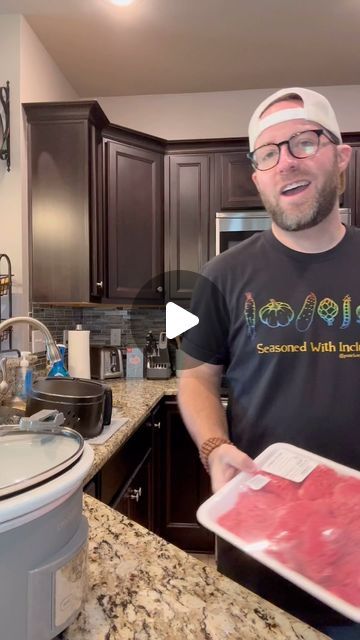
x,y
233,227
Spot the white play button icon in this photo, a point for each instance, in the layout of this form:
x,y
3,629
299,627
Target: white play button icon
x,y
178,320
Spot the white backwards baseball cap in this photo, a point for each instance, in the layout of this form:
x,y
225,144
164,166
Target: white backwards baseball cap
x,y
316,108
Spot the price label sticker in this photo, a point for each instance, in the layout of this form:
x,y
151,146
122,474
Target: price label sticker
x,y
257,482
290,465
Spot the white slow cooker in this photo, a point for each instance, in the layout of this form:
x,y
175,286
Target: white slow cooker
x,y
43,533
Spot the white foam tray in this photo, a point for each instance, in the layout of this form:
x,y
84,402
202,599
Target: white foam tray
x,y
225,498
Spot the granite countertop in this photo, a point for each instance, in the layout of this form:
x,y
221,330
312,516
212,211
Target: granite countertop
x,y
142,588
134,399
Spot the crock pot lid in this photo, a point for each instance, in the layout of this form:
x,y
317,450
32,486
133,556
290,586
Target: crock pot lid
x,y
28,458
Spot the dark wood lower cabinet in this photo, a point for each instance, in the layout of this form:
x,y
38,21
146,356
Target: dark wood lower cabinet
x,y
126,481
184,485
157,479
136,500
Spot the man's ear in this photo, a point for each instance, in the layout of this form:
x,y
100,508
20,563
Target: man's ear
x,y
254,179
343,156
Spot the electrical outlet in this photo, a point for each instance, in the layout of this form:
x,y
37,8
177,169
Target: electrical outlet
x,y
38,343
115,337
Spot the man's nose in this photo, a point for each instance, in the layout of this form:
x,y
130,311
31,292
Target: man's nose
x,y
286,159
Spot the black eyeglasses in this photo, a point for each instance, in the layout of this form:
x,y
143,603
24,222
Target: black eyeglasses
x,y
301,145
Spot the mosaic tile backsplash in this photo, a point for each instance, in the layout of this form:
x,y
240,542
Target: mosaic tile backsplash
x,y
133,323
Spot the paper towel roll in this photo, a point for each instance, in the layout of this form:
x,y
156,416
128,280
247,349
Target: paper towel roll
x,y
79,354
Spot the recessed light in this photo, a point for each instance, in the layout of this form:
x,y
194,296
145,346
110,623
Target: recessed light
x,y
121,3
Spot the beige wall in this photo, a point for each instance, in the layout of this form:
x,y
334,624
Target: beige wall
x,y
223,114
40,81
10,182
40,78
33,77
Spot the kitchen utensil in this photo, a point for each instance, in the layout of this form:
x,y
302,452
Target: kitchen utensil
x,y
106,362
158,366
43,534
163,346
151,345
83,402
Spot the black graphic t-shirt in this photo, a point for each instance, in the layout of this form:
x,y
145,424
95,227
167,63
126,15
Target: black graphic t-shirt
x,y
286,326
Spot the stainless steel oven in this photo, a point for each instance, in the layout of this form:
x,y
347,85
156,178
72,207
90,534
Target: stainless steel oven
x,y
233,227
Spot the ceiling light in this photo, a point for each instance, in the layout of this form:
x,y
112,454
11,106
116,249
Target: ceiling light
x,y
121,3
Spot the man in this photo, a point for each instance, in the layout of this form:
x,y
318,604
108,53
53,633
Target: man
x,y
284,324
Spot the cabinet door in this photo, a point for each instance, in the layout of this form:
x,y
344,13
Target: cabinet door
x,y
234,186
134,223
127,479
65,200
136,501
187,221
184,486
351,196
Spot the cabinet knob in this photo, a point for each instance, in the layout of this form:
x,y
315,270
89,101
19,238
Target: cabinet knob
x,y
157,425
159,289
99,285
134,494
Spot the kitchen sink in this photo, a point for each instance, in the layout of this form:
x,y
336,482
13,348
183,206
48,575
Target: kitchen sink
x,y
10,415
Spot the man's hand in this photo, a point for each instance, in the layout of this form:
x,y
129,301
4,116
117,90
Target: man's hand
x,y
225,462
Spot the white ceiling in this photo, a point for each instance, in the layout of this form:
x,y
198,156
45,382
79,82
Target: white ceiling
x,y
180,46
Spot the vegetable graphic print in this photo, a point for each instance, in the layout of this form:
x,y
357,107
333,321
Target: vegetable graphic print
x,y
346,312
276,314
328,310
306,315
250,313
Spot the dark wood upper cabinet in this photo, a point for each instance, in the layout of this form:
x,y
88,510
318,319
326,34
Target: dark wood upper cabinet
x,y
188,198
235,189
118,216
351,195
64,145
134,197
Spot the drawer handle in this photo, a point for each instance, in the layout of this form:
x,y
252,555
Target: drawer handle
x,y
155,425
134,494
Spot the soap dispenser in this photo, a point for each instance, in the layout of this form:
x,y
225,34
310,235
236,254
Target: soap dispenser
x,y
22,383
23,376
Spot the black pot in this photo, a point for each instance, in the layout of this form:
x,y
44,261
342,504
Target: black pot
x,y
86,404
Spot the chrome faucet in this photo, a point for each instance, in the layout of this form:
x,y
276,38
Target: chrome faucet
x,y
51,348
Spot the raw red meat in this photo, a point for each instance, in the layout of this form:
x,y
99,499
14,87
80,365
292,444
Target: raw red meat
x,y
319,484
346,500
313,529
322,544
292,524
347,583
348,594
287,489
348,571
252,516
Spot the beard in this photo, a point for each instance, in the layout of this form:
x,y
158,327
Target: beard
x,y
307,215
